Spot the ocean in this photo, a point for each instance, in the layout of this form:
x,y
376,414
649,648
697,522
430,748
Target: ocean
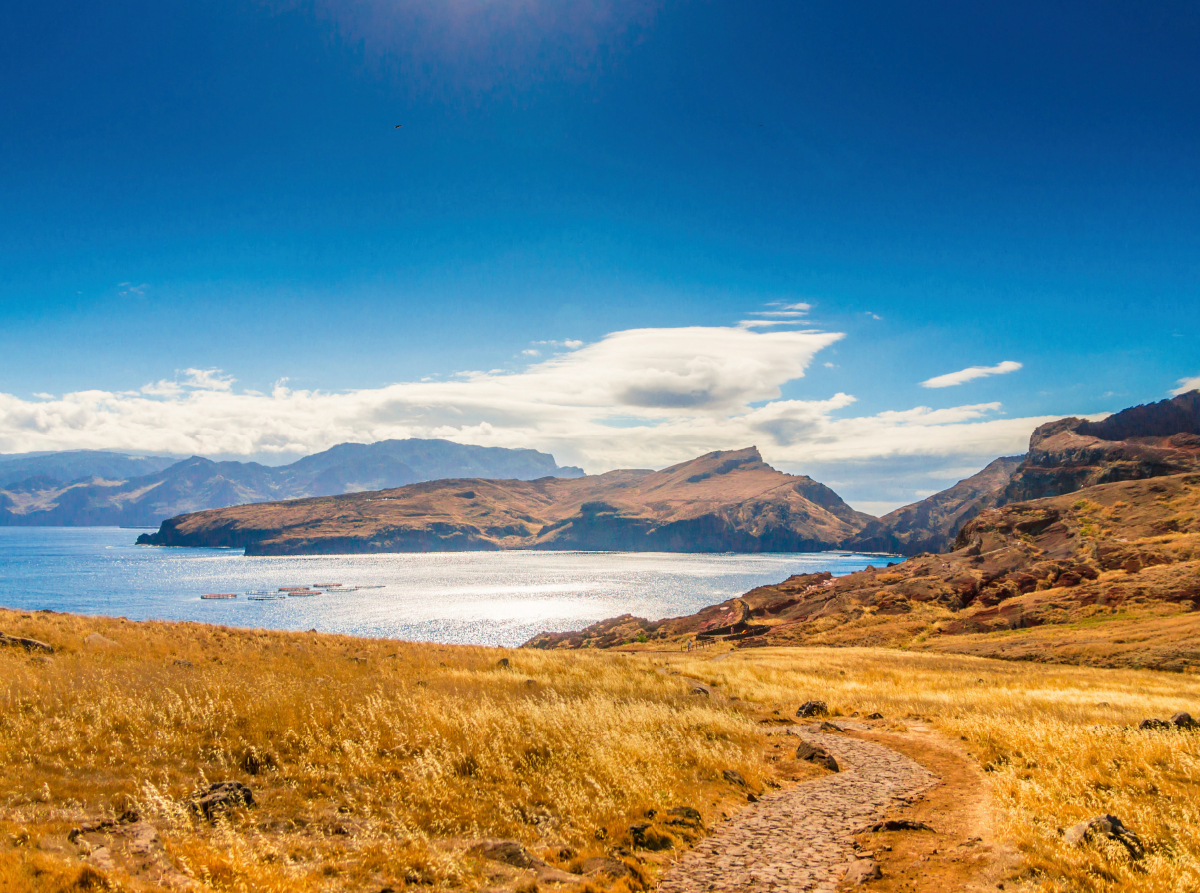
x,y
487,598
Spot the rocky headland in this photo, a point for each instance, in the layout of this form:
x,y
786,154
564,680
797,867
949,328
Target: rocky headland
x,y
724,501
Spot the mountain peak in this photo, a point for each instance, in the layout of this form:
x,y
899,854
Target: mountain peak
x,y
717,463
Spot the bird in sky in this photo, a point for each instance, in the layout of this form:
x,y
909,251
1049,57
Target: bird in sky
x,y
397,127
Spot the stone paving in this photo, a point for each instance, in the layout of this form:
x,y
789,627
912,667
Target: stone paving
x,y
800,839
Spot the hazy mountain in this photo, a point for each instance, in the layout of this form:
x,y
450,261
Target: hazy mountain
x,y
724,501
74,465
80,489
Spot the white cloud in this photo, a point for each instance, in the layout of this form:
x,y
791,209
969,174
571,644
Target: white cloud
x,y
531,352
785,311
129,290
970,374
193,379
636,398
872,314
765,323
1185,385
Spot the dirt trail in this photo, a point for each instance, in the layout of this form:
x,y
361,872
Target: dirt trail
x,y
802,838
806,838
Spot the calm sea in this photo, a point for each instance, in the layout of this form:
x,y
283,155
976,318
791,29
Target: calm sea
x,y
494,598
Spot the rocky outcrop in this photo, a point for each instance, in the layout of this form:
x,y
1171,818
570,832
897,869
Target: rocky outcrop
x,y
1142,442
219,798
27,644
723,501
1064,456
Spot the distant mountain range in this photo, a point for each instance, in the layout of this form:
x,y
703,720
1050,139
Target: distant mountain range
x,y
83,488
77,465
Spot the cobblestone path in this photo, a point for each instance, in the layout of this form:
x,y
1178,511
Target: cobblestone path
x,y
799,839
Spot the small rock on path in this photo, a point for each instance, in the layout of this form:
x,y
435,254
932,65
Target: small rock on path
x,y
801,839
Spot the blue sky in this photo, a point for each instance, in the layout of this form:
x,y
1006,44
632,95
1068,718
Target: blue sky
x,y
199,186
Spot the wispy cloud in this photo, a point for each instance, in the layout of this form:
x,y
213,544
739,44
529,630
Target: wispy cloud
x,y
636,398
192,379
962,376
784,310
1187,384
129,290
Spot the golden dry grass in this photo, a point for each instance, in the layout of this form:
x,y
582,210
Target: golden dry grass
x,y
382,759
1060,744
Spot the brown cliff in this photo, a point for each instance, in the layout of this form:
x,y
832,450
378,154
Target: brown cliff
x,y
1135,444
1064,456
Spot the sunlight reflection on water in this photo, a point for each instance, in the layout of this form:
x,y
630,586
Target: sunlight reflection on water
x,y
495,598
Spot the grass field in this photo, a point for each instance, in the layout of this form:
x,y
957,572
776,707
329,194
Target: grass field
x,y
376,764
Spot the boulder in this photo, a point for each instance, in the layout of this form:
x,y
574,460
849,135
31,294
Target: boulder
x,y
861,871
1109,827
27,644
813,708
685,816
1154,724
220,797
733,777
96,640
874,716
1183,720
510,852
502,663
813,754
896,825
